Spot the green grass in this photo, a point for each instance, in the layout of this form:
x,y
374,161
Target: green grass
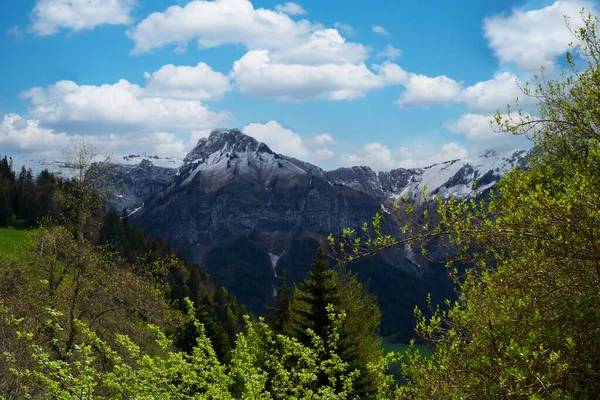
x,y
11,237
388,347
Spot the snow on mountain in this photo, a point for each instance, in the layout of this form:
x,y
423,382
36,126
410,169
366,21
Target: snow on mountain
x,y
228,156
455,178
135,159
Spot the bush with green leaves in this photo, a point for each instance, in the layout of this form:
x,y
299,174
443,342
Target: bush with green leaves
x,y
527,322
264,365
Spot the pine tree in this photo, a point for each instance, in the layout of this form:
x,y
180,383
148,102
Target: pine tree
x,y
359,342
308,307
5,207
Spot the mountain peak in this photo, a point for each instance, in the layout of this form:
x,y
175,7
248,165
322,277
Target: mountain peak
x,y
226,140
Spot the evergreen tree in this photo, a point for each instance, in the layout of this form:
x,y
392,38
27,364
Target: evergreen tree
x,y
6,169
309,304
359,343
5,206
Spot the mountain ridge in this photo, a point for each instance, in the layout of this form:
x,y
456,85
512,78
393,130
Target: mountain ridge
x,y
222,150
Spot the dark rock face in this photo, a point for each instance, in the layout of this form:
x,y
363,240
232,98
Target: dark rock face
x,y
397,179
245,214
361,179
134,184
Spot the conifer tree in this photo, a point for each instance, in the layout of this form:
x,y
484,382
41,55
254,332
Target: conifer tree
x,y
309,304
359,343
5,206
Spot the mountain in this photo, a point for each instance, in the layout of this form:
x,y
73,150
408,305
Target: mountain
x,y
245,213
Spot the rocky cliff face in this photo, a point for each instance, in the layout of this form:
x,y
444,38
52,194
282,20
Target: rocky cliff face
x,y
134,184
245,214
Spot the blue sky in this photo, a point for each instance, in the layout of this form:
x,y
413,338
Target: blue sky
x,y
337,83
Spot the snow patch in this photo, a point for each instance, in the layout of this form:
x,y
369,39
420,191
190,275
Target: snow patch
x,y
136,210
274,260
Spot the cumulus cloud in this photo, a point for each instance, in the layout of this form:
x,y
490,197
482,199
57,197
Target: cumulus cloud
x,y
323,139
290,8
375,155
390,52
483,97
288,142
23,137
323,154
533,38
256,74
323,47
380,30
424,91
48,16
213,23
184,82
382,158
496,93
278,138
481,135
286,60
119,107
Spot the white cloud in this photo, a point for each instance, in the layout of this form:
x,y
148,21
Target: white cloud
x,y
380,30
218,22
425,91
347,29
48,16
323,154
256,74
482,136
278,138
375,155
482,97
163,144
121,107
390,52
381,158
22,137
183,82
533,38
290,8
323,139
289,143
423,155
322,48
286,60
496,93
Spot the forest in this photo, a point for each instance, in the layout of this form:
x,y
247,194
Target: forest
x,y
91,307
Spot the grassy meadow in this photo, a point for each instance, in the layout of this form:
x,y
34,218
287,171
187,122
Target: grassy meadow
x,y
389,346
11,237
